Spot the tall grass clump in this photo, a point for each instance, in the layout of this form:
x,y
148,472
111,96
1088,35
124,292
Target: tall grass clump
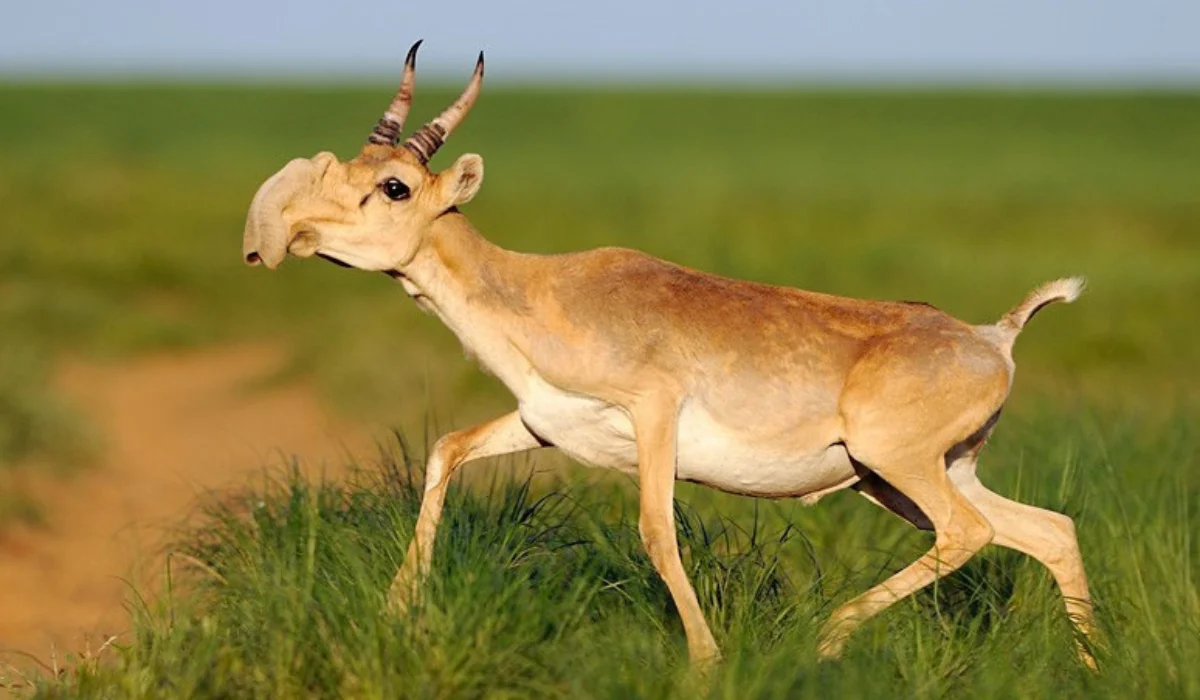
x,y
540,588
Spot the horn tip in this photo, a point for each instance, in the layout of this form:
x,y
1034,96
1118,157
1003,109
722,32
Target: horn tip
x,y
411,59
479,64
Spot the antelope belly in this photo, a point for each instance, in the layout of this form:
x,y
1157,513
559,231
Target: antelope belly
x,y
587,429
600,434
794,465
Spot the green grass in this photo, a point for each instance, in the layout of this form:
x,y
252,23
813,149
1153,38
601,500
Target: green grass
x,y
544,591
122,213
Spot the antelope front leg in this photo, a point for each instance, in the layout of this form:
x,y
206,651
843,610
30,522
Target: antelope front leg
x,y
504,435
655,424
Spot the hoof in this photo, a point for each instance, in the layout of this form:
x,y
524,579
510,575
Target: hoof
x,y
831,646
1087,659
401,597
705,656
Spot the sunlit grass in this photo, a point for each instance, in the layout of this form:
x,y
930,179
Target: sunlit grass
x,y
544,591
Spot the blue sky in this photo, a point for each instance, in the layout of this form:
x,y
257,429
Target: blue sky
x,y
1123,41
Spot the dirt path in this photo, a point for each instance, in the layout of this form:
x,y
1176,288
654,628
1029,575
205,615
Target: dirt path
x,y
174,426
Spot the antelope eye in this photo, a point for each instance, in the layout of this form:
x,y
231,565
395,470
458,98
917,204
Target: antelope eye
x,y
394,189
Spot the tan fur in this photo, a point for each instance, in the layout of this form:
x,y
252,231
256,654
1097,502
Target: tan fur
x,y
626,361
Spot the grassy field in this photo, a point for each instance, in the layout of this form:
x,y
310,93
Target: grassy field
x,y
121,218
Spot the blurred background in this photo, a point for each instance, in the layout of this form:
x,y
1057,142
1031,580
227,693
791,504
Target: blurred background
x,y
956,153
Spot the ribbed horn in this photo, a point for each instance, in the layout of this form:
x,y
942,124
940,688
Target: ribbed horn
x,y
387,131
425,142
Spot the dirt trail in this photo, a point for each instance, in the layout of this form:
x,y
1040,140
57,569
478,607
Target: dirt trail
x,y
174,427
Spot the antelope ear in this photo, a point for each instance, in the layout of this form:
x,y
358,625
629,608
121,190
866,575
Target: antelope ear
x,y
460,183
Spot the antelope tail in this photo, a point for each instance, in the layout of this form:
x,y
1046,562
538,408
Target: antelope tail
x,y
1065,290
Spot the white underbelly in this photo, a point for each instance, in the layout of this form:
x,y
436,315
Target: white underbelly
x,y
789,465
600,434
587,429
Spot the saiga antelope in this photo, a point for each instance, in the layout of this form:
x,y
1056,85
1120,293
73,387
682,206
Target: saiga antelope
x,y
623,360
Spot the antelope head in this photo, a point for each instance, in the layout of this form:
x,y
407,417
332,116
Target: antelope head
x,y
373,212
